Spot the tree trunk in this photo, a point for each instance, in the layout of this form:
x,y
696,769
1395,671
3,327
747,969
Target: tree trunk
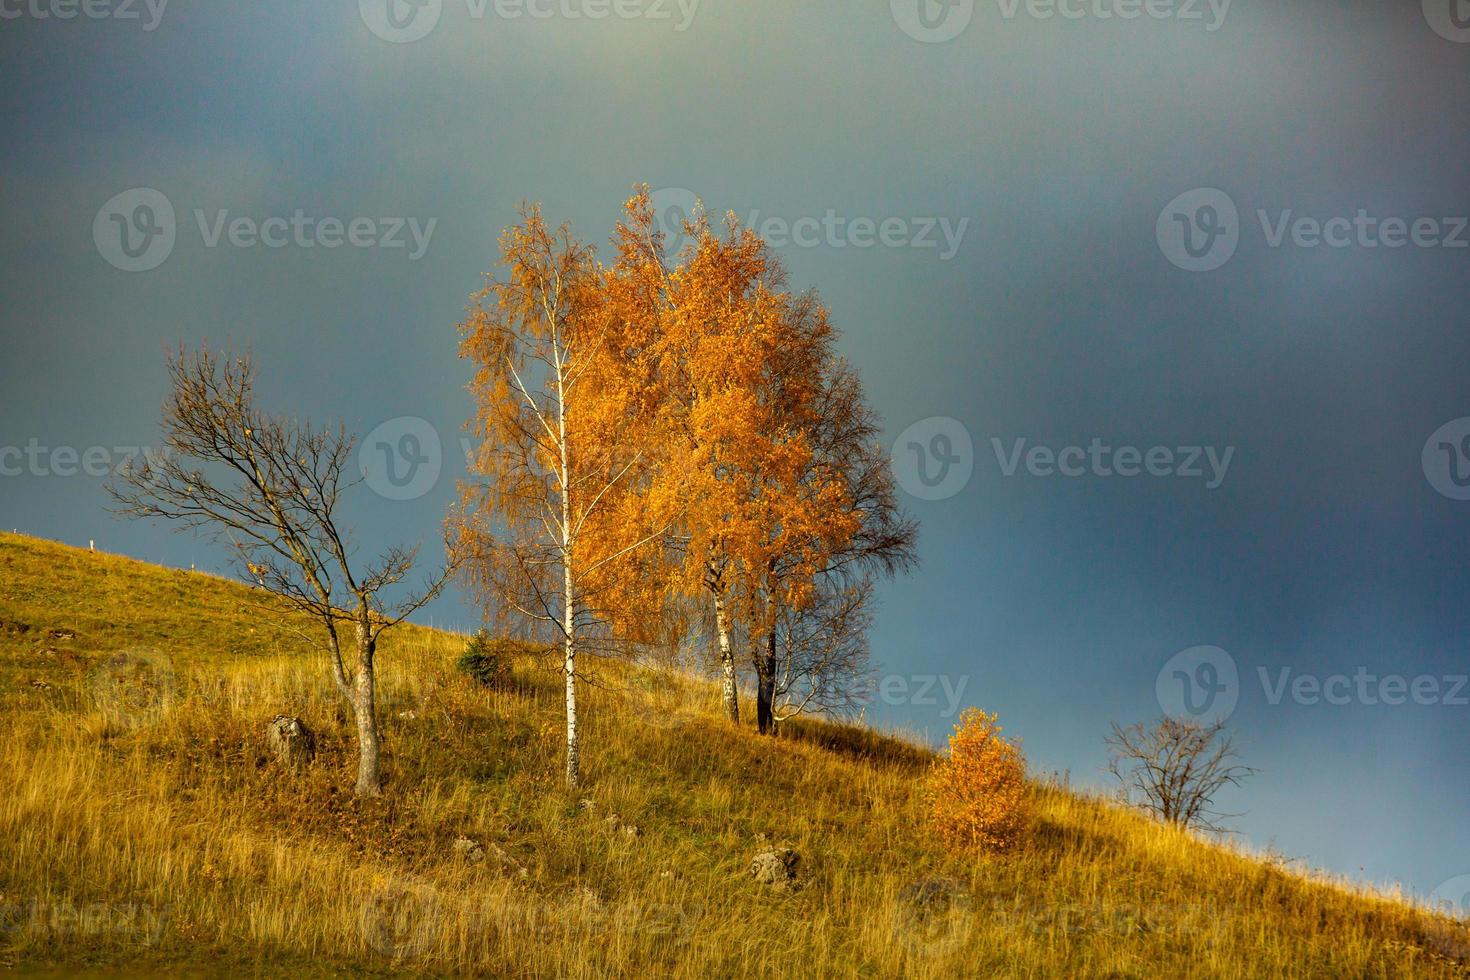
x,y
365,709
765,694
569,597
573,760
729,695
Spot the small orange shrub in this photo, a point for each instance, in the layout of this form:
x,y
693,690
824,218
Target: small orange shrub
x,y
977,794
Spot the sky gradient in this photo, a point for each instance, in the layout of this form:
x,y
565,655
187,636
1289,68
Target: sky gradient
x,y
1044,157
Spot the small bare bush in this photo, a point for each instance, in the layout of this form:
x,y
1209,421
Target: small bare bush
x,y
1174,769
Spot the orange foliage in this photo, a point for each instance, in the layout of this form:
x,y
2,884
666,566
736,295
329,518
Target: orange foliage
x,y
977,794
738,364
566,416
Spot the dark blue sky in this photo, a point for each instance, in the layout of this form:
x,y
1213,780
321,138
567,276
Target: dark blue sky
x,y
1061,310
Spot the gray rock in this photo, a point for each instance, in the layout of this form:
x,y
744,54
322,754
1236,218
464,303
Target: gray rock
x,y
506,862
776,867
469,850
291,741
615,823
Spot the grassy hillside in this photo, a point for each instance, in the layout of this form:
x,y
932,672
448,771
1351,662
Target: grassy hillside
x,y
144,828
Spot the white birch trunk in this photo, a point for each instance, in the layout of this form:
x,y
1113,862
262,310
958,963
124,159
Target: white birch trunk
x,y
728,693
569,596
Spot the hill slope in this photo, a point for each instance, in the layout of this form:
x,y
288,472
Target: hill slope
x,y
145,829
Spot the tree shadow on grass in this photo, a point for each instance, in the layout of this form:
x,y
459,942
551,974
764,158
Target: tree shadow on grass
x,y
858,743
1053,837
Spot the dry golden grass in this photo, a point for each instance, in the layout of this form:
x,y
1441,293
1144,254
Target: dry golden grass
x,y
144,829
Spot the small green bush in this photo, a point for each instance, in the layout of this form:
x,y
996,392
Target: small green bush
x,y
486,659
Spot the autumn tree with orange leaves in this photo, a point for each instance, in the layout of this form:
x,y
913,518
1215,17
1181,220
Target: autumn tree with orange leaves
x,y
567,424
668,429
977,792
786,507
739,363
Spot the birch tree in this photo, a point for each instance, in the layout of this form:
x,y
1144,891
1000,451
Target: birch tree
x,y
722,334
271,487
564,417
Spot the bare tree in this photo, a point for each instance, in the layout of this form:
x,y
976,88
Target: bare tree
x,y
815,656
270,487
822,656
1175,768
